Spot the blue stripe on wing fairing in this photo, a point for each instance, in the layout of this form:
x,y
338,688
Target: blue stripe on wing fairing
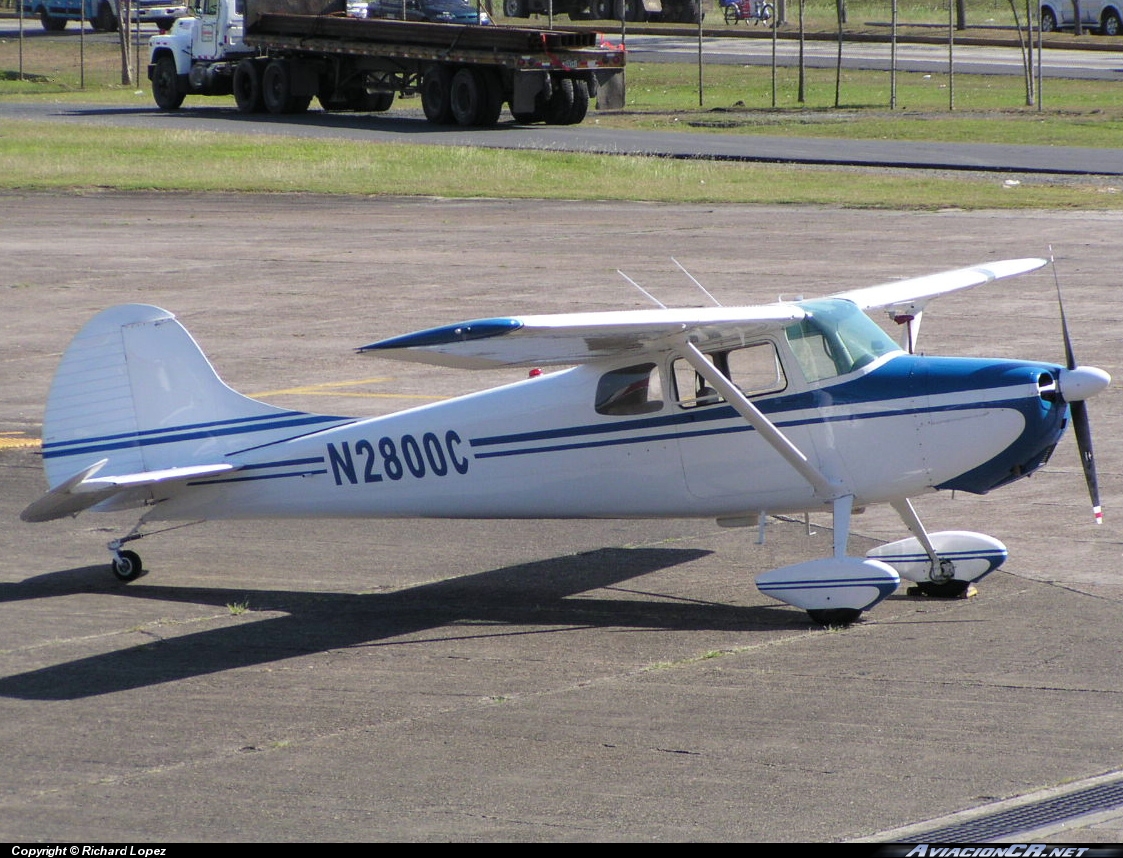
x,y
479,329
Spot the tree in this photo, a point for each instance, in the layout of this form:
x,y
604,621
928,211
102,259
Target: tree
x,y
124,16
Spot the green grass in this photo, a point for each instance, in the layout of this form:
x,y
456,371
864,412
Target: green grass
x,y
35,156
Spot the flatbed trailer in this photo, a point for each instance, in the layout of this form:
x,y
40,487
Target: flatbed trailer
x,y
277,55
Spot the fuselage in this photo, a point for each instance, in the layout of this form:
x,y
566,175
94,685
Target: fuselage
x,y
569,445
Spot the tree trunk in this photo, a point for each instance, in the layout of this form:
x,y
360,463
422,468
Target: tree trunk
x,y
125,16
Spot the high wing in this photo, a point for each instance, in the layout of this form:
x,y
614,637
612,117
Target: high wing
x,y
905,300
910,296
574,338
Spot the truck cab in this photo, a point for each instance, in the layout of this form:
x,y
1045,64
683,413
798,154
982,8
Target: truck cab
x,y
198,54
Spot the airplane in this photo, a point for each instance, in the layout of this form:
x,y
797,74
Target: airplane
x,y
733,413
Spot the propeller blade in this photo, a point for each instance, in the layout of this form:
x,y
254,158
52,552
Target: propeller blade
x,y
1081,426
1083,430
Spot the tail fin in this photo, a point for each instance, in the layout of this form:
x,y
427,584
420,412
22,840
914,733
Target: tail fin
x,y
136,402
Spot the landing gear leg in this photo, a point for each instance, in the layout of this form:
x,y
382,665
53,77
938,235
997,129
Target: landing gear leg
x,y
126,565
941,582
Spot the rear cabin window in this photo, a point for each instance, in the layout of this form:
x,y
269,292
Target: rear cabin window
x,y
631,390
755,370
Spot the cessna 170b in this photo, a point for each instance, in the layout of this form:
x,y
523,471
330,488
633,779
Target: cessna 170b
x,y
725,412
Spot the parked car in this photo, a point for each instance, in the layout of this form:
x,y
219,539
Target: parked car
x,y
1103,16
434,11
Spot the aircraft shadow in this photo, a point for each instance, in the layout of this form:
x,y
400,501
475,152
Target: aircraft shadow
x,y
530,594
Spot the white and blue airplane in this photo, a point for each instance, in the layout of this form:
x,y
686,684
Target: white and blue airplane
x,y
732,413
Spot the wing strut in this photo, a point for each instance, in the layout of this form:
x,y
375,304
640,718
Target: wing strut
x,y
755,418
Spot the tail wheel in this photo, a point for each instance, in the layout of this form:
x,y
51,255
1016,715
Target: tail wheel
x,y
247,87
126,566
435,95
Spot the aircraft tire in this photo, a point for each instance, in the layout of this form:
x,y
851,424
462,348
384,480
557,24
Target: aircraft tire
x,y
126,566
835,616
953,589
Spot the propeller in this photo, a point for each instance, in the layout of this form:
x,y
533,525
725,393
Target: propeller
x,y
1077,384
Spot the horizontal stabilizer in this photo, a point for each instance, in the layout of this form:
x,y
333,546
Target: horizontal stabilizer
x,y
84,489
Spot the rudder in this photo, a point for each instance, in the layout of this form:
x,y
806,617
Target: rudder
x,y
133,387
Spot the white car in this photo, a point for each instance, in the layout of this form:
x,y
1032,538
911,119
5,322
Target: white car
x,y
1103,16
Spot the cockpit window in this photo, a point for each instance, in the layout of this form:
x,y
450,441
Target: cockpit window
x,y
631,390
835,339
755,369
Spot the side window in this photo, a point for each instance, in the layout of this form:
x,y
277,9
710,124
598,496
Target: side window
x,y
755,369
690,388
632,390
815,353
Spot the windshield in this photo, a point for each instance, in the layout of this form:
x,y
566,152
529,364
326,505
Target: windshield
x,y
836,338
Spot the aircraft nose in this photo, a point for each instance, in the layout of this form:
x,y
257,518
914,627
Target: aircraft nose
x,y
1082,382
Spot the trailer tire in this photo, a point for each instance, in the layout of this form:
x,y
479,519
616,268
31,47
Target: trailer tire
x,y
560,105
605,10
370,102
277,90
247,87
467,93
493,101
580,103
515,8
165,84
436,98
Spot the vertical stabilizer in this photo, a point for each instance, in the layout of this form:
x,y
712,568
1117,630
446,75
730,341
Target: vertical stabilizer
x,y
134,389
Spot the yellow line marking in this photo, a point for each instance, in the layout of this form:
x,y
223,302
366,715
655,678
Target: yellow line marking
x,y
333,388
17,441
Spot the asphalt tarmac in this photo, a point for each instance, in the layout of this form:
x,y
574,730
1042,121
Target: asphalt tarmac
x,y
538,681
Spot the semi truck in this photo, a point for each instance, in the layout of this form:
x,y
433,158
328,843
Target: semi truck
x,y
103,15
277,55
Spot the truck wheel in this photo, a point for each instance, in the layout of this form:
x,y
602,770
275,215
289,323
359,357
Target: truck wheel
x,y
435,95
466,97
362,101
493,98
515,8
165,84
580,103
105,21
605,10
276,88
561,101
51,23
247,87
634,10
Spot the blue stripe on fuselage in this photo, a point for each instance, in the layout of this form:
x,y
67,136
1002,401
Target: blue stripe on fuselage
x,y
901,378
